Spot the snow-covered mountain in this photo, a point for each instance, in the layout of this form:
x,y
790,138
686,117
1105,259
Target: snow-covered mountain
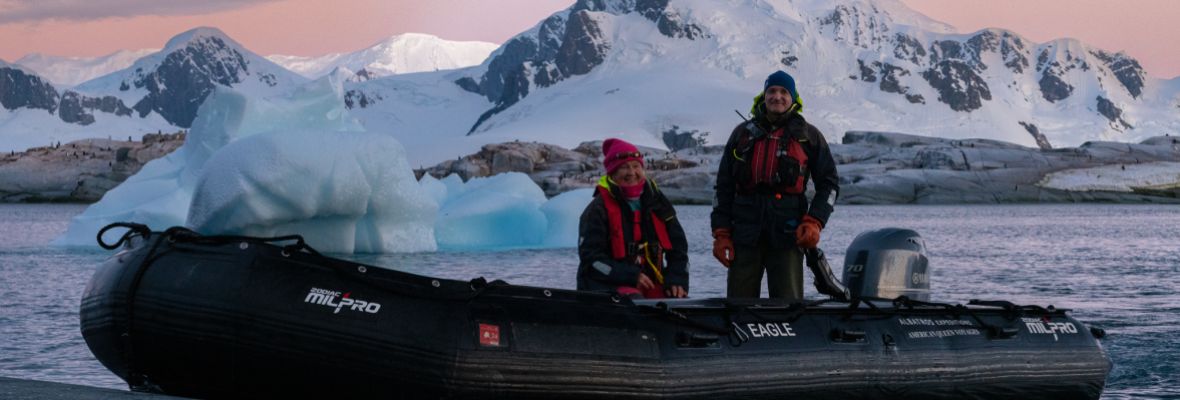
x,y
158,92
70,71
21,87
34,113
405,53
174,81
637,68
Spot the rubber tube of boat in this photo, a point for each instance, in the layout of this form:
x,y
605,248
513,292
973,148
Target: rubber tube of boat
x,y
825,281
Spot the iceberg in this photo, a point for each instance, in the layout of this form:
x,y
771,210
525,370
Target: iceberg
x,y
349,192
504,211
434,189
497,212
312,170
564,213
301,165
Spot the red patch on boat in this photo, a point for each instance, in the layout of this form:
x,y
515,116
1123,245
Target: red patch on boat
x,y
489,335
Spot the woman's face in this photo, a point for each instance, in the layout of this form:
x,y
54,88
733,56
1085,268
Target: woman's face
x,y
628,174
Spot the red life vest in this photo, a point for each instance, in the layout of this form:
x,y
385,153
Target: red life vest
x,y
614,216
774,161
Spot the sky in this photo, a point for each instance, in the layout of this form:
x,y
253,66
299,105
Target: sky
x,y
1145,29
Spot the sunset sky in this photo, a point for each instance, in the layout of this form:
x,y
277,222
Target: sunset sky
x,y
1145,29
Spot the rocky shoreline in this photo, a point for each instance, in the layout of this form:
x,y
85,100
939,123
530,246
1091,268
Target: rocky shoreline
x,y
80,171
874,168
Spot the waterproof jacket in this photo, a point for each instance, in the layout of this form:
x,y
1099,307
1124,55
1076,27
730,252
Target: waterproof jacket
x,y
751,211
600,270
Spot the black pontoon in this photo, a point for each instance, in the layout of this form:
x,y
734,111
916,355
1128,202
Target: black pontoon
x,y
219,316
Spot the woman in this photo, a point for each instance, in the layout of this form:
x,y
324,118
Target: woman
x,y
630,241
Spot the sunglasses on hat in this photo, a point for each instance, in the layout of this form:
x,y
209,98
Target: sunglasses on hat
x,y
633,154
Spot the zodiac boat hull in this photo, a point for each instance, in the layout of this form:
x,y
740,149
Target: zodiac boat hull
x,y
192,316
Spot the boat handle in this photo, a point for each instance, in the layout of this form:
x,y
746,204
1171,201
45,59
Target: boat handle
x,y
1003,332
848,335
698,340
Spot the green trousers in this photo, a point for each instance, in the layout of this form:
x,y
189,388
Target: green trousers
x,y
783,268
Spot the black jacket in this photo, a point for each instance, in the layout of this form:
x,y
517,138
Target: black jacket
x,y
751,214
599,271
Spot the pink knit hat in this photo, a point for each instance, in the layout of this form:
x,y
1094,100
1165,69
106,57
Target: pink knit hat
x,y
616,152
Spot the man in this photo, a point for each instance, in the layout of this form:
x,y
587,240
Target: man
x,y
761,215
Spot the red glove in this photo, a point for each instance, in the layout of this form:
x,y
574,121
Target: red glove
x,y
723,246
807,235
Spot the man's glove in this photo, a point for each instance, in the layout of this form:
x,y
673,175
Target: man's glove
x,y
807,234
723,246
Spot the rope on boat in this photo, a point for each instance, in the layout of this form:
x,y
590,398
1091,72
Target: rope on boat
x,y
133,229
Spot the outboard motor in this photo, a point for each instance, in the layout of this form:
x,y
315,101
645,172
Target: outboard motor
x,y
887,263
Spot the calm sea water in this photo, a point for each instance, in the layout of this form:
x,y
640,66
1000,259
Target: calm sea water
x,y
1116,266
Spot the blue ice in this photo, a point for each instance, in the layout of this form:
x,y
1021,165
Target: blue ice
x,y
302,165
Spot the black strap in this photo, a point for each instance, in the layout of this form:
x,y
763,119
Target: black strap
x,y
662,309
132,230
184,235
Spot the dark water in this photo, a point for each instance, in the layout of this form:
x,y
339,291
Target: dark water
x,y
1116,266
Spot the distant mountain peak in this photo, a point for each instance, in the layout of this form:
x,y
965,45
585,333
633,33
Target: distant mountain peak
x,y
176,80
198,34
411,36
398,54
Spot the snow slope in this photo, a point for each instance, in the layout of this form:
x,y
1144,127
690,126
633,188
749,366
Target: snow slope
x,y
399,54
70,71
26,128
1116,178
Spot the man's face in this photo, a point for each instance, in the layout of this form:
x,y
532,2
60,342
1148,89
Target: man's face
x,y
629,174
777,99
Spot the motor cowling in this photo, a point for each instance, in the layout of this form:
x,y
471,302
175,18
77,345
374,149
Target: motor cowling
x,y
887,263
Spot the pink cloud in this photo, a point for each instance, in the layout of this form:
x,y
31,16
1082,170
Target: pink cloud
x,y
1145,29
84,10
294,27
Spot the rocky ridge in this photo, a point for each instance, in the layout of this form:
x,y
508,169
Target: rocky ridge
x,y
80,171
874,168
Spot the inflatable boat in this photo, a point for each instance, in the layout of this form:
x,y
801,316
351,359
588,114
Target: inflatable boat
x,y
183,314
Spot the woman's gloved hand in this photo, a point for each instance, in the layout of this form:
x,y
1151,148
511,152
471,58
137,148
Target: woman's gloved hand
x,y
807,234
723,246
